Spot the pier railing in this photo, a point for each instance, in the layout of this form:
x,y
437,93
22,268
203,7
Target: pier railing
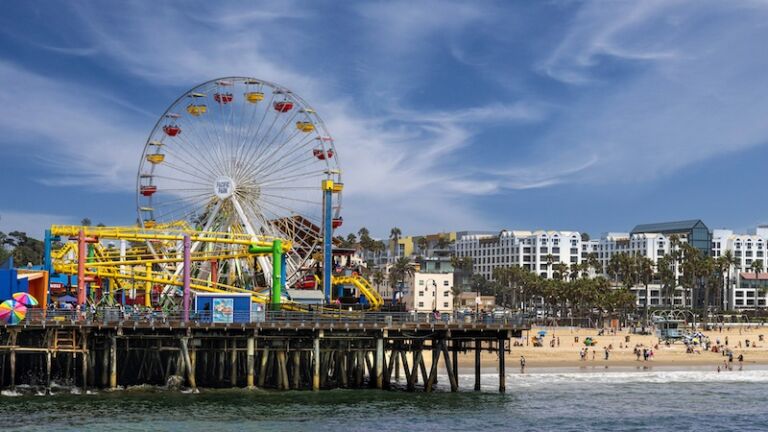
x,y
359,318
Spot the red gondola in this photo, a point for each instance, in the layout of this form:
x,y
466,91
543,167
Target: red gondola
x,y
148,190
223,98
283,106
321,154
337,222
171,130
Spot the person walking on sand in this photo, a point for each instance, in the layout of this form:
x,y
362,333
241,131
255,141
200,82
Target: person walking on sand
x,y
606,352
522,364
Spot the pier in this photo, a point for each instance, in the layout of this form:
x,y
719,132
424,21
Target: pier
x,y
277,350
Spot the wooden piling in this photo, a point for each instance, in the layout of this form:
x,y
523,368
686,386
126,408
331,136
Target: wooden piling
x,y
113,362
263,366
502,372
451,367
188,362
250,348
316,364
48,372
379,362
233,365
477,365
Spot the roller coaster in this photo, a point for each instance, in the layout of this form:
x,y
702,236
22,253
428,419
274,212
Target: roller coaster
x,y
238,190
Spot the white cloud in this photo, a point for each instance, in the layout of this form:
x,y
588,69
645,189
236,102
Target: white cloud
x,y
692,88
389,158
34,224
73,129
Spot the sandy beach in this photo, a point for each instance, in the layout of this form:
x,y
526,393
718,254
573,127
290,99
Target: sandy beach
x,y
566,353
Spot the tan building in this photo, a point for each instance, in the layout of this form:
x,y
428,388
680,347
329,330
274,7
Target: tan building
x,y
429,291
468,300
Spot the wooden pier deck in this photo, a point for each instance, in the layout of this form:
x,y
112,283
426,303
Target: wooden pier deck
x,y
276,350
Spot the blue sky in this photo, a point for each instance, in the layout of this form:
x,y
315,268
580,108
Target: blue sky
x,y
592,116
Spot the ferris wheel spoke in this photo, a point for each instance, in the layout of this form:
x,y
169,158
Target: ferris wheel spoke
x,y
265,159
298,165
174,155
248,139
162,177
266,142
261,157
301,146
214,159
293,177
184,171
211,163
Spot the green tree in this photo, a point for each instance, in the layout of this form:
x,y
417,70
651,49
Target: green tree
x,y
85,222
400,271
26,250
423,244
394,236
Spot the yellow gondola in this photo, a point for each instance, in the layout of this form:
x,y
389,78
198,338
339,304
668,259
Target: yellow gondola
x,y
155,158
338,187
150,223
254,97
197,110
305,126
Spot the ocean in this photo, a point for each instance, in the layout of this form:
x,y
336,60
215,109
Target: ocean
x,y
544,400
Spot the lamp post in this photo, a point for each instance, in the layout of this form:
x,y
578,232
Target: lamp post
x,y
434,285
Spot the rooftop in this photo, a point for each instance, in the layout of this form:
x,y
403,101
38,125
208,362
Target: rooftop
x,y
668,227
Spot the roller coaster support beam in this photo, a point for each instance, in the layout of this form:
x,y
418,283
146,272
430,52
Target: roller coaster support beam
x,y
80,267
148,287
327,237
277,273
186,276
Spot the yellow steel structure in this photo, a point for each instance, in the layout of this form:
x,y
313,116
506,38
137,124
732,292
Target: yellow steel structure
x,y
373,296
133,268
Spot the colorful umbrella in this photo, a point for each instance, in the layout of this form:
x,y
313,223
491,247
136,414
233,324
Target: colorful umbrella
x,y
26,299
12,312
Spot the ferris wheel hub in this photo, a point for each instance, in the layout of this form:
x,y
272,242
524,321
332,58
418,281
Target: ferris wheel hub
x,y
224,187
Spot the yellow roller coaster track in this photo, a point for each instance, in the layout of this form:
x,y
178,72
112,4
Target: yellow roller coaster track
x,y
171,234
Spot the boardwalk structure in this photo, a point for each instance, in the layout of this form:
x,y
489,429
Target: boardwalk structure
x,y
277,350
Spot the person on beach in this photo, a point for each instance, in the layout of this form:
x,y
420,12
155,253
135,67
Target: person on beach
x,y
606,352
741,361
522,364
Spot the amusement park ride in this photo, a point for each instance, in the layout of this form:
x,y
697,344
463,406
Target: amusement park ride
x,y
238,191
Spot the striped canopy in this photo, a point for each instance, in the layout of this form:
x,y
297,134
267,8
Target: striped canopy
x,y
12,312
25,298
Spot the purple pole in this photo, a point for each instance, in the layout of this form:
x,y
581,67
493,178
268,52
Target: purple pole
x,y
186,275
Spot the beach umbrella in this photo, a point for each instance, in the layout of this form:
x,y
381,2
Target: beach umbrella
x,y
26,299
542,332
12,312
67,299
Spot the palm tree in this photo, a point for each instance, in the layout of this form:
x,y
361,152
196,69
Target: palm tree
x,y
378,279
394,235
559,271
665,267
423,244
400,270
644,266
549,259
728,260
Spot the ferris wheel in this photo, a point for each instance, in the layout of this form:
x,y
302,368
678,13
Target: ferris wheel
x,y
239,155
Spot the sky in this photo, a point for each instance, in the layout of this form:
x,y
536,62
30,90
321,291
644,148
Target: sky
x,y
575,115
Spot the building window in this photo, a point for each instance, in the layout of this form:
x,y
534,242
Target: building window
x,y
421,293
421,282
445,283
421,304
445,305
446,293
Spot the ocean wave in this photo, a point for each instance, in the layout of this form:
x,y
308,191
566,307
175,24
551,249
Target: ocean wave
x,y
608,377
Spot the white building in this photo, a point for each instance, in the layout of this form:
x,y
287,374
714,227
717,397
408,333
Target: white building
x,y
650,245
532,250
746,249
429,291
